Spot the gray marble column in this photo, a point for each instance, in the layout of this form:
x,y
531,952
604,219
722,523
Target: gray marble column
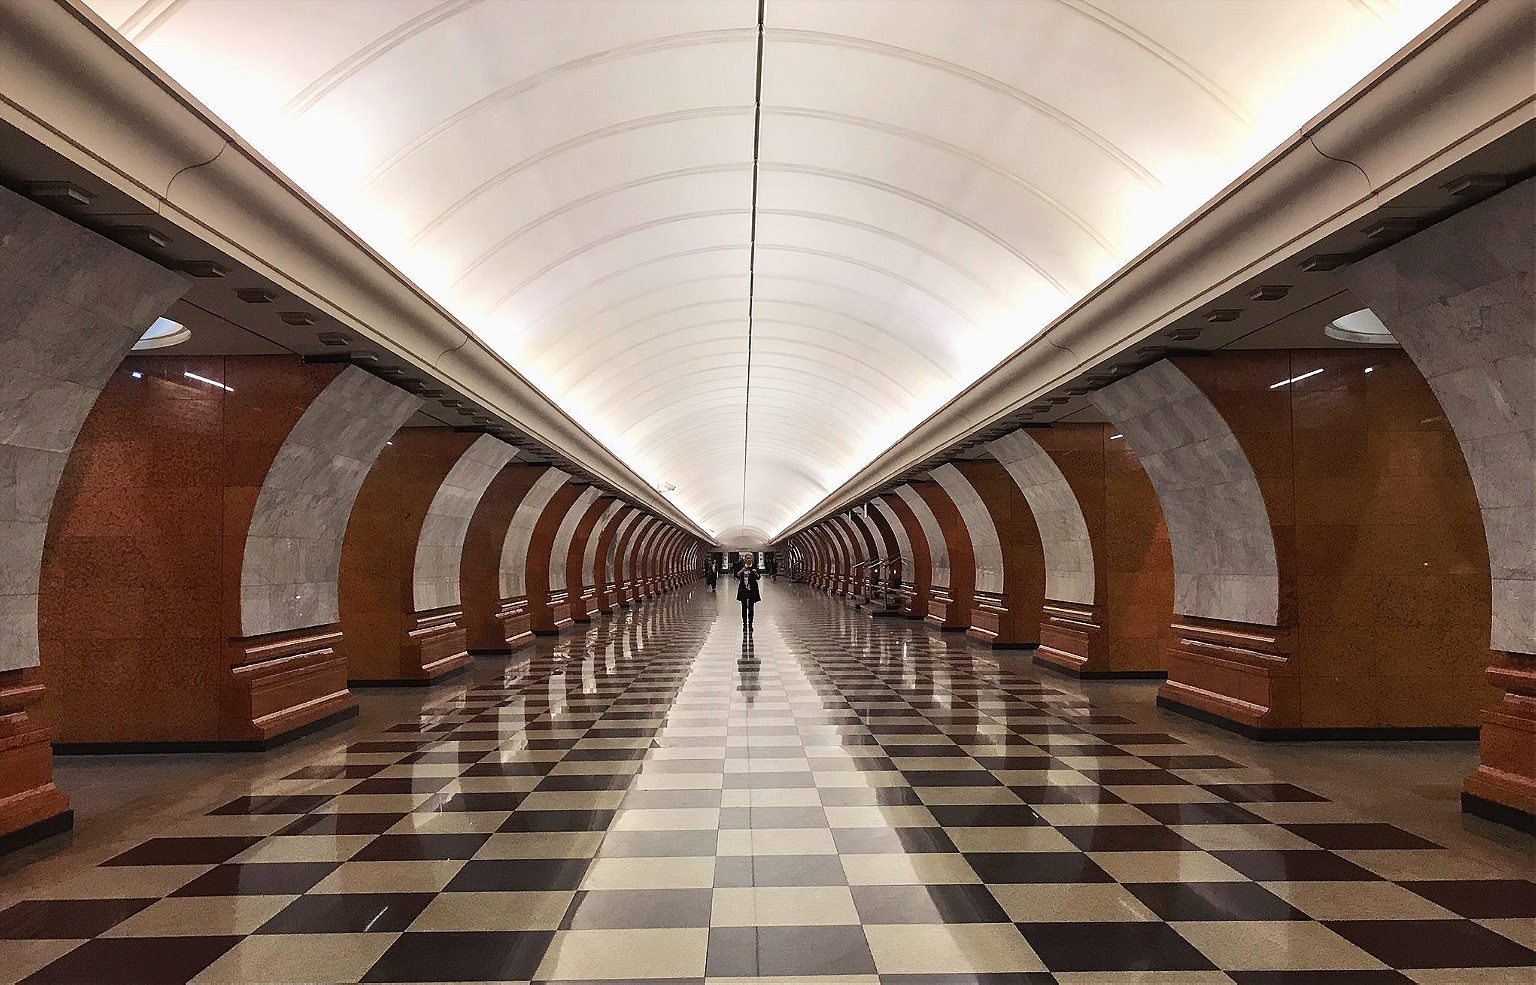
x,y
1224,564
985,545
1461,299
1064,539
71,306
440,546
292,560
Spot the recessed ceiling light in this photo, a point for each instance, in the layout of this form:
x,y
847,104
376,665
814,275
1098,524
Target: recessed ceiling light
x,y
1362,327
161,334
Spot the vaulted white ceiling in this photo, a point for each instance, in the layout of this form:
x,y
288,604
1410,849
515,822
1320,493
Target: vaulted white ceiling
x,y
936,180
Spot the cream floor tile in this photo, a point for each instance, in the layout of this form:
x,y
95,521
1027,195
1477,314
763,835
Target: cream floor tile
x,y
667,819
429,876
687,752
923,763
776,841
1408,865
650,873
757,764
907,870
791,797
1357,901
374,803
598,767
1142,978
541,844
924,949
1522,930
1468,976
793,906
1070,903
879,778
201,916
288,958
899,816
1275,945
797,980
938,796
119,882
573,800
679,781
420,770
599,954
1304,812
1240,837
494,911
1044,778
450,822
304,848
1187,794
1165,867
231,825
1022,839
515,755
1064,815
495,784
18,959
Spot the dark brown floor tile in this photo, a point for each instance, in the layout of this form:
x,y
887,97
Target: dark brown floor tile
x,y
337,771
1113,947
1200,814
258,879
400,784
183,851
869,797
1378,977
295,804
531,821
415,848
585,781
489,802
109,961
1000,868
779,870
518,874
1481,899
927,904
65,919
974,978
950,778
614,908
1295,866
791,952
348,913
1176,901
1192,761
1263,793
985,815
1359,836
1134,778
1065,795
343,824
462,957
1433,943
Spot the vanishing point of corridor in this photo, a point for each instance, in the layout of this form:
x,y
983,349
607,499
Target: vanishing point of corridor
x,y
833,799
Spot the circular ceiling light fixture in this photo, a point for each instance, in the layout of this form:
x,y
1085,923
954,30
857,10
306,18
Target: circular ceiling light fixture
x,y
1362,327
162,334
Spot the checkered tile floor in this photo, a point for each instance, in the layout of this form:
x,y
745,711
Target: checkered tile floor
x,y
835,799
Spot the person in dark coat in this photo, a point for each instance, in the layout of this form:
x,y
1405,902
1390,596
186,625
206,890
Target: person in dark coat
x,y
746,590
710,573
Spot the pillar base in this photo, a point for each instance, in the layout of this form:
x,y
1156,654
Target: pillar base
x,y
995,626
280,683
1503,788
438,644
1072,639
516,625
31,807
944,614
1233,673
552,617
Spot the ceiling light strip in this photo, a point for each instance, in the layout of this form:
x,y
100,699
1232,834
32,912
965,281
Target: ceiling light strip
x,y
757,140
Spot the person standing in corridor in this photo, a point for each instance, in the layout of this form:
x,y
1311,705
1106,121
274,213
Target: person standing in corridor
x,y
746,590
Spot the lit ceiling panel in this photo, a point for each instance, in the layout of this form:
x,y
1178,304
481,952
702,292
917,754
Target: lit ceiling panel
x,y
937,180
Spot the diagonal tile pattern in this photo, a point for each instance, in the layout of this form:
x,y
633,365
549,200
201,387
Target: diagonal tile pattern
x,y
828,800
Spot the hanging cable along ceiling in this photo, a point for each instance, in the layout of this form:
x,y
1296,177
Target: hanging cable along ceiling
x,y
585,187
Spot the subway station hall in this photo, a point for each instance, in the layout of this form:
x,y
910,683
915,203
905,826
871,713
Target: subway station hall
x,y
768,492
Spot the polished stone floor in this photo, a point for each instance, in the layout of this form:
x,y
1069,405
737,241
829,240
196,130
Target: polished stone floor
x,y
833,799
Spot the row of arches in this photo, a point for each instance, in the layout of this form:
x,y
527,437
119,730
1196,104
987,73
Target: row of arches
x,y
1304,543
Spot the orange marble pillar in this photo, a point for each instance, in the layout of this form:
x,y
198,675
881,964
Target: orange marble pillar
x,y
492,624
1006,614
547,606
193,552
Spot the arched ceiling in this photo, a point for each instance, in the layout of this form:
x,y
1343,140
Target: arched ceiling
x,y
591,189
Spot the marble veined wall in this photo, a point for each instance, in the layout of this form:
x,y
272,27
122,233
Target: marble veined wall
x,y
560,552
938,548
1063,531
514,551
440,546
986,547
589,553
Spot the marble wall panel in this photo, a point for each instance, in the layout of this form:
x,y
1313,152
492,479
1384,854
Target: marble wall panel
x,y
1064,537
621,537
589,572
1460,297
899,532
514,551
938,549
1224,557
985,546
560,551
440,546
72,304
288,577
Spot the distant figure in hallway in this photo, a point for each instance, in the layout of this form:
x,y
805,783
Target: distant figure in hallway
x,y
746,590
710,574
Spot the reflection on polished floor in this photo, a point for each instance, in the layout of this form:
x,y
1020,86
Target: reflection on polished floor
x,y
834,799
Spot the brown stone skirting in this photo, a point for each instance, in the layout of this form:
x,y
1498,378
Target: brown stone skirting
x,y
516,627
1503,788
1072,638
1237,672
437,641
31,807
943,612
281,682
